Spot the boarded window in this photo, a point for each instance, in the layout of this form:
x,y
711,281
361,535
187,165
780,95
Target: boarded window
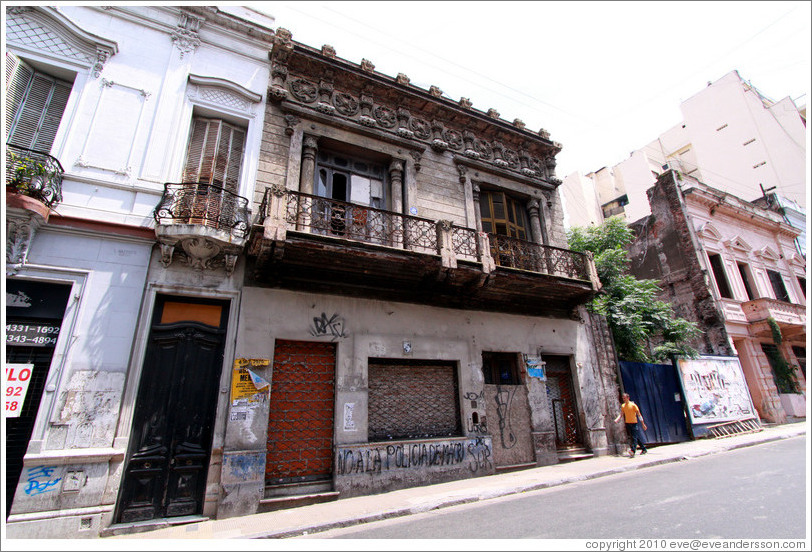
x,y
35,103
215,153
413,400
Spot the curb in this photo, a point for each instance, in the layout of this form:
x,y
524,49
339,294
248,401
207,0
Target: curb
x,y
457,501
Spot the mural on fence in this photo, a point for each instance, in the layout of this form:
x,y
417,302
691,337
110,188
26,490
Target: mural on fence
x,y
715,389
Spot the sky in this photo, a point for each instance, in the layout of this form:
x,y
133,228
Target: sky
x,y
604,78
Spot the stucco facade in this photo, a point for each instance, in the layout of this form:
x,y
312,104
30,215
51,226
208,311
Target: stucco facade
x,y
732,267
133,79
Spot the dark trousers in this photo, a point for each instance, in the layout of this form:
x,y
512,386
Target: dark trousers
x,y
636,436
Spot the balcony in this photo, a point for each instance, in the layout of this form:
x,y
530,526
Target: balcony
x,y
204,225
312,243
34,174
33,188
791,318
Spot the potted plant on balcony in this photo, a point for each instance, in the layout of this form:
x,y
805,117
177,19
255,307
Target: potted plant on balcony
x,y
28,176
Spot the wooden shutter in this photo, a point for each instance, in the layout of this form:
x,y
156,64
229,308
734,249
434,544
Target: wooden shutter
x,y
215,153
35,104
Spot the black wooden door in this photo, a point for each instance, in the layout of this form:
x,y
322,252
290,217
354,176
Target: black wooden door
x,y
173,423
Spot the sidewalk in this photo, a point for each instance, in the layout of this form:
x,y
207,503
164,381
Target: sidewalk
x,y
354,511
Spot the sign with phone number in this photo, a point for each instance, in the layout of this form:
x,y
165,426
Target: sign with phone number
x,y
33,335
15,387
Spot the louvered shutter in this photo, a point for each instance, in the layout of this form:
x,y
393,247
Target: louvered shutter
x,y
215,152
18,77
38,102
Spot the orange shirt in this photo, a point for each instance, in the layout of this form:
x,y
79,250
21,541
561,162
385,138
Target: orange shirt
x,y
630,412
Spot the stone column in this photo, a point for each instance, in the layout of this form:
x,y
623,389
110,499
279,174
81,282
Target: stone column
x,y
537,231
477,210
396,180
309,149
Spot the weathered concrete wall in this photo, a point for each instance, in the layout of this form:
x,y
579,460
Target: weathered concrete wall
x,y
381,467
378,329
508,422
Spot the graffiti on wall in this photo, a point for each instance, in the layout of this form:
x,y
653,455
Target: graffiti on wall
x,y
40,480
475,454
504,396
477,423
715,389
333,327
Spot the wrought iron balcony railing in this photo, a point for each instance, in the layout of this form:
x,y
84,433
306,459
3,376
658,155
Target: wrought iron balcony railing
x,y
203,204
515,253
318,215
34,174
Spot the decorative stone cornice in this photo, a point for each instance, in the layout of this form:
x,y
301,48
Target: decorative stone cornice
x,y
353,94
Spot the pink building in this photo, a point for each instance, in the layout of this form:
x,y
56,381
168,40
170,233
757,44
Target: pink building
x,y
733,268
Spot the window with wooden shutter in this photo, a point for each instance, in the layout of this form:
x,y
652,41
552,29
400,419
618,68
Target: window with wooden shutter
x,y
215,153
35,103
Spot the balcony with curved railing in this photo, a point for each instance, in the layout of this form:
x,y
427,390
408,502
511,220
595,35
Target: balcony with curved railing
x,y
34,174
206,205
208,224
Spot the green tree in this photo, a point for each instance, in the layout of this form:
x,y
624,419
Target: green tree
x,y
644,328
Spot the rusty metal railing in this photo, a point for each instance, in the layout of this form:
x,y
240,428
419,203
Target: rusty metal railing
x,y
204,204
515,253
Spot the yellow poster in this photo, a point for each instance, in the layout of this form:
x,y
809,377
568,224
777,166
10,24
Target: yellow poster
x,y
245,384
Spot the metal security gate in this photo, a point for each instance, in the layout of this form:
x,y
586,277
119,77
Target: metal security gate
x,y
34,312
300,421
656,390
562,402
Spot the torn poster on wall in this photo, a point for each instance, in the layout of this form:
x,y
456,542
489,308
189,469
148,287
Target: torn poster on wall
x,y
535,367
246,385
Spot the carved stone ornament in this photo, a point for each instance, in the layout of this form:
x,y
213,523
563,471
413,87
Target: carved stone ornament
x,y
385,117
328,51
20,231
304,91
435,91
278,190
416,156
186,41
463,170
403,79
290,123
199,253
346,104
465,103
367,66
421,128
493,113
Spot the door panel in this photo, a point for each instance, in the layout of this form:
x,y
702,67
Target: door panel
x,y
173,422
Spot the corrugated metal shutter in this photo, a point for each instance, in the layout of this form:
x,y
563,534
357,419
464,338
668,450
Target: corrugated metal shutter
x,y
215,153
35,104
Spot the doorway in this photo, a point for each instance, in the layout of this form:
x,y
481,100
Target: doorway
x,y
300,419
563,403
173,421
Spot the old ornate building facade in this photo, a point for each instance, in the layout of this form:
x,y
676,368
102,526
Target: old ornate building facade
x,y
243,270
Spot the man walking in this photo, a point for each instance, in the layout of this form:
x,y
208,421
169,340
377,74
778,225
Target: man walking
x,y
630,412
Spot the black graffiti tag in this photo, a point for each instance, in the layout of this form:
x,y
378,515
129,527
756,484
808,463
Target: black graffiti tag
x,y
333,326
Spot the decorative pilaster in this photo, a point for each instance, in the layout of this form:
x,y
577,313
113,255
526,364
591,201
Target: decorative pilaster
x,y
477,211
533,209
396,179
309,149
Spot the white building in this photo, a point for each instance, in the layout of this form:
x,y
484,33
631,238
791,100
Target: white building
x,y
106,104
731,137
